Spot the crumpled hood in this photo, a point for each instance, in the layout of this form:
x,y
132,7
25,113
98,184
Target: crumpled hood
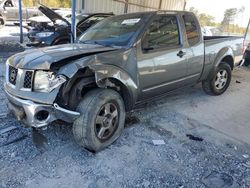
x,y
43,58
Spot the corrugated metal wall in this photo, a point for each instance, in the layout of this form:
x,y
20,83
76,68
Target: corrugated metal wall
x,y
117,7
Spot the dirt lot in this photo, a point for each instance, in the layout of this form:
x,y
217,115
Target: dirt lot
x,y
214,154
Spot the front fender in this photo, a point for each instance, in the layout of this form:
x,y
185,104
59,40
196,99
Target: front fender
x,y
104,72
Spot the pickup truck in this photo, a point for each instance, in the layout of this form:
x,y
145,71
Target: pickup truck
x,y
9,10
118,64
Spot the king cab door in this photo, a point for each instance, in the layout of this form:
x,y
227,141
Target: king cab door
x,y
162,56
194,38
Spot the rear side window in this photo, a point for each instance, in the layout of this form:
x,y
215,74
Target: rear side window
x,y
192,31
162,32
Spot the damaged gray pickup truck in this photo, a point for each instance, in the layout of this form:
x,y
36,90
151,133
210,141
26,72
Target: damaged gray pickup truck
x,y
117,64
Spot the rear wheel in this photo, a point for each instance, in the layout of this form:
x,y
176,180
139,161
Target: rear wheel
x,y
219,80
101,121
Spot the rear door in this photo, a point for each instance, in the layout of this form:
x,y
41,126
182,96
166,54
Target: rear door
x,y
196,47
162,59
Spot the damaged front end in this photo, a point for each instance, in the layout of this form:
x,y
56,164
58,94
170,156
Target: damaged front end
x,y
45,85
31,96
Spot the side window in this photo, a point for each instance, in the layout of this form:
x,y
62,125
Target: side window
x,y
192,31
162,32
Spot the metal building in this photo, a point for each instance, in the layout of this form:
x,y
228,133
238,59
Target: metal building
x,y
127,6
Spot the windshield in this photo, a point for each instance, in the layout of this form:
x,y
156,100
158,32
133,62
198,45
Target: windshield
x,y
114,31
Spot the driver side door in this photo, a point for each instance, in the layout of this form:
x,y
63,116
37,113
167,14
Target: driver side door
x,y
162,57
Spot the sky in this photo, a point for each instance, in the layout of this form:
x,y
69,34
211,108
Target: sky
x,y
216,8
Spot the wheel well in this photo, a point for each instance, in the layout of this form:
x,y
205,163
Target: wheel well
x,y
123,91
80,85
229,60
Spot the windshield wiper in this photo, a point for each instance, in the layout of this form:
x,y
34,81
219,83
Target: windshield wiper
x,y
95,42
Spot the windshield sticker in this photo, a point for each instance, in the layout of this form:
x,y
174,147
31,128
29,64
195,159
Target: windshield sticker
x,y
131,21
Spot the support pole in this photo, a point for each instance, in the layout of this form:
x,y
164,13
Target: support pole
x,y
20,20
73,21
160,4
126,7
245,36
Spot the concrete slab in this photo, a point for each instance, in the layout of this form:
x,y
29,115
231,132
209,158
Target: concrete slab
x,y
228,113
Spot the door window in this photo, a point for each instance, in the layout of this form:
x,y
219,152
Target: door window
x,y
162,32
192,31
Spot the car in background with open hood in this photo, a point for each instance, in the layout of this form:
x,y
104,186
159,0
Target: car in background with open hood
x,y
58,31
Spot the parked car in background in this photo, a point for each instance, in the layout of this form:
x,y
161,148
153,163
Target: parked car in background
x,y
9,10
58,30
206,31
37,21
247,56
119,63
2,20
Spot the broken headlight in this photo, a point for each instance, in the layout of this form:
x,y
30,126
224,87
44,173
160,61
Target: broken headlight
x,y
47,81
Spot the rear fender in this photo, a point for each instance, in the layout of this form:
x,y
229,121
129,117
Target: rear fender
x,y
221,55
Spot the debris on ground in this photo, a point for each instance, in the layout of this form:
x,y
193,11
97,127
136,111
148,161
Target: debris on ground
x,y
238,82
158,142
131,120
195,138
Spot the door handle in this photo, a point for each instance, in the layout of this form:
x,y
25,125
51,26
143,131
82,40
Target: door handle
x,y
181,54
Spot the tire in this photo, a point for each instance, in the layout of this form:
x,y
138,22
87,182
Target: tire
x,y
218,81
98,127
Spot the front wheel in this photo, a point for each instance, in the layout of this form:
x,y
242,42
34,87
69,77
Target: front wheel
x,y
101,121
218,81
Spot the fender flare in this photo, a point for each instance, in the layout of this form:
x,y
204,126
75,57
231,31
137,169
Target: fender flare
x,y
223,53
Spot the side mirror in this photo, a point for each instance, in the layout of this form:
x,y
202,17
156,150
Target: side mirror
x,y
145,46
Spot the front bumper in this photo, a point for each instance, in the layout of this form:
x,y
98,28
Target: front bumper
x,y
38,115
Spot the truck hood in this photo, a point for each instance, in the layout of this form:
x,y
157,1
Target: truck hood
x,y
56,56
52,15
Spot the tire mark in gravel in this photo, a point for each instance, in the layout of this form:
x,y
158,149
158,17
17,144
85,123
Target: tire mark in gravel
x,y
15,140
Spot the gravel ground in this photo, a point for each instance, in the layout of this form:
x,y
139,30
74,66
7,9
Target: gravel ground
x,y
205,158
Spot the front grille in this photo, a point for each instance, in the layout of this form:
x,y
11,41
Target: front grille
x,y
27,83
12,75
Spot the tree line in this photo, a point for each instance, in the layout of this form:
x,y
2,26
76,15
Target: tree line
x,y
227,25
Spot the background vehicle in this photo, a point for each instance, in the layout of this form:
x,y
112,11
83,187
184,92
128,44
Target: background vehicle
x,y
9,10
39,21
59,31
247,56
247,51
119,63
2,21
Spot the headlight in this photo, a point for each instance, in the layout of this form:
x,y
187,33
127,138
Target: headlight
x,y
47,81
44,34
